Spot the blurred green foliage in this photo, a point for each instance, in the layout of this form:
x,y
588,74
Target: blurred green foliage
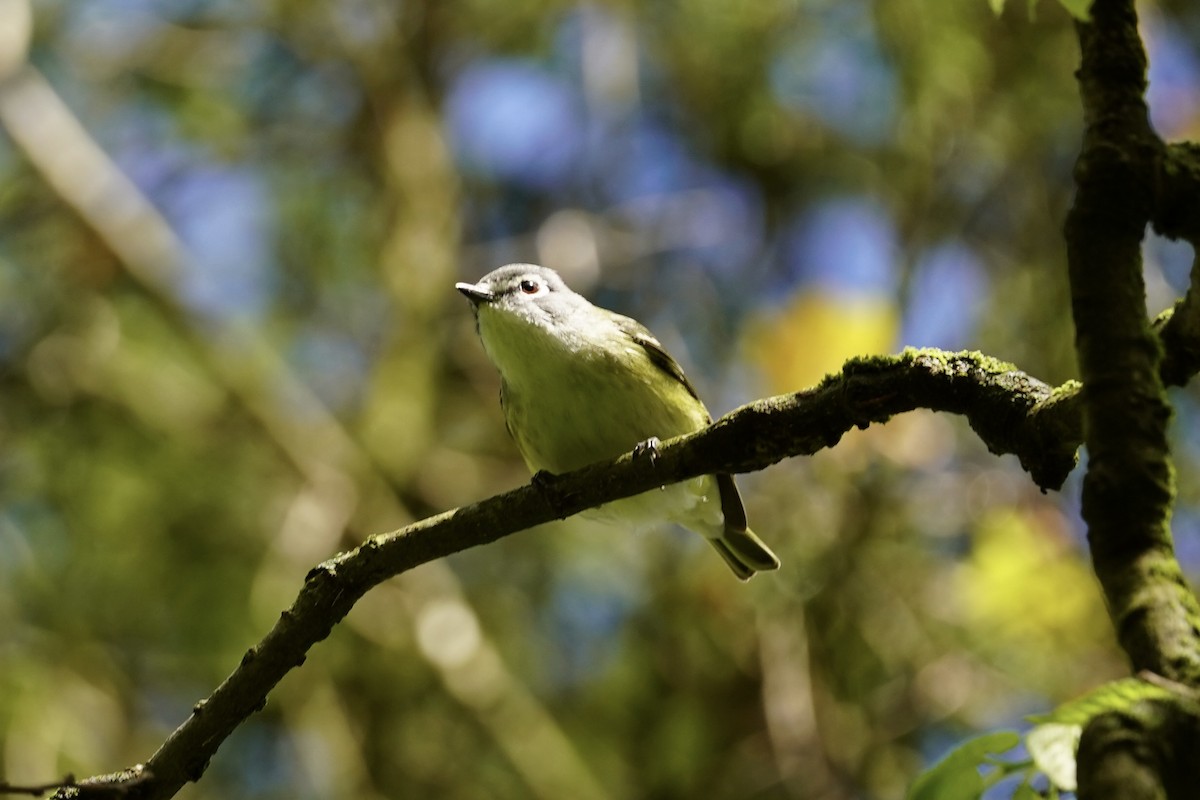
x,y
771,185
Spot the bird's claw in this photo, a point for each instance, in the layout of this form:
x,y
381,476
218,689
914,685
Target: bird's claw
x,y
543,479
648,448
546,484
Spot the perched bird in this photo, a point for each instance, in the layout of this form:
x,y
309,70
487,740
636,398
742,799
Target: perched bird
x,y
580,384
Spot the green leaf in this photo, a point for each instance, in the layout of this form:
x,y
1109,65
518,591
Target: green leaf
x,y
1119,695
997,6
1053,747
956,777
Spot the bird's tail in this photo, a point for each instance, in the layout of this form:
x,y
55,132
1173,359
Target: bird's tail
x,y
745,553
742,550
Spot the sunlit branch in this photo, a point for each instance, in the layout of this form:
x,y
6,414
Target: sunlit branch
x,y
1011,412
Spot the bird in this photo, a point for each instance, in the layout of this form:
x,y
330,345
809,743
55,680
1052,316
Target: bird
x,y
581,384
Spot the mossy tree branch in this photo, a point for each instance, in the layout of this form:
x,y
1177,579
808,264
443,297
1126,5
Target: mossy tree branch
x,y
1127,178
1149,751
1129,487
1011,412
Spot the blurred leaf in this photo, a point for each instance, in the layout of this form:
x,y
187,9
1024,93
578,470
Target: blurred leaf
x,y
1059,607
956,777
816,332
1053,747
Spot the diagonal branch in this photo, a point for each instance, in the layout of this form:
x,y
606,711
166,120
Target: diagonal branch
x,y
1012,413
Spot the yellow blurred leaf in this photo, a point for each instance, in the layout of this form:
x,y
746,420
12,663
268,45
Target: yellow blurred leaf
x,y
1025,586
816,332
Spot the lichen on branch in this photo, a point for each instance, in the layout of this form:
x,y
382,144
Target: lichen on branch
x,y
1011,411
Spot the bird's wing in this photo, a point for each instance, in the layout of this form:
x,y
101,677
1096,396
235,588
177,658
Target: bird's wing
x,y
654,349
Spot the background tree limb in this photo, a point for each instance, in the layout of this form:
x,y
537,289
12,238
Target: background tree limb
x,y
1129,486
1129,489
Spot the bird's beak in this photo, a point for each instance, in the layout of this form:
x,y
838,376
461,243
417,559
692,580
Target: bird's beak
x,y
476,294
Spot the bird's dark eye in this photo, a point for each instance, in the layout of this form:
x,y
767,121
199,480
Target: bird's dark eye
x,y
530,286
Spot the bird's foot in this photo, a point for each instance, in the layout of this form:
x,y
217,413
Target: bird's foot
x,y
546,484
647,449
543,479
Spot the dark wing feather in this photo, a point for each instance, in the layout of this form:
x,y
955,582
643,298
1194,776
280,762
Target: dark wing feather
x,y
654,349
731,503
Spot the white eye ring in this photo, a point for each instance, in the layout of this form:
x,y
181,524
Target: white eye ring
x,y
531,286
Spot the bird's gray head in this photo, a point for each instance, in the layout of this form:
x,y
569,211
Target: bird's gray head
x,y
525,315
533,294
